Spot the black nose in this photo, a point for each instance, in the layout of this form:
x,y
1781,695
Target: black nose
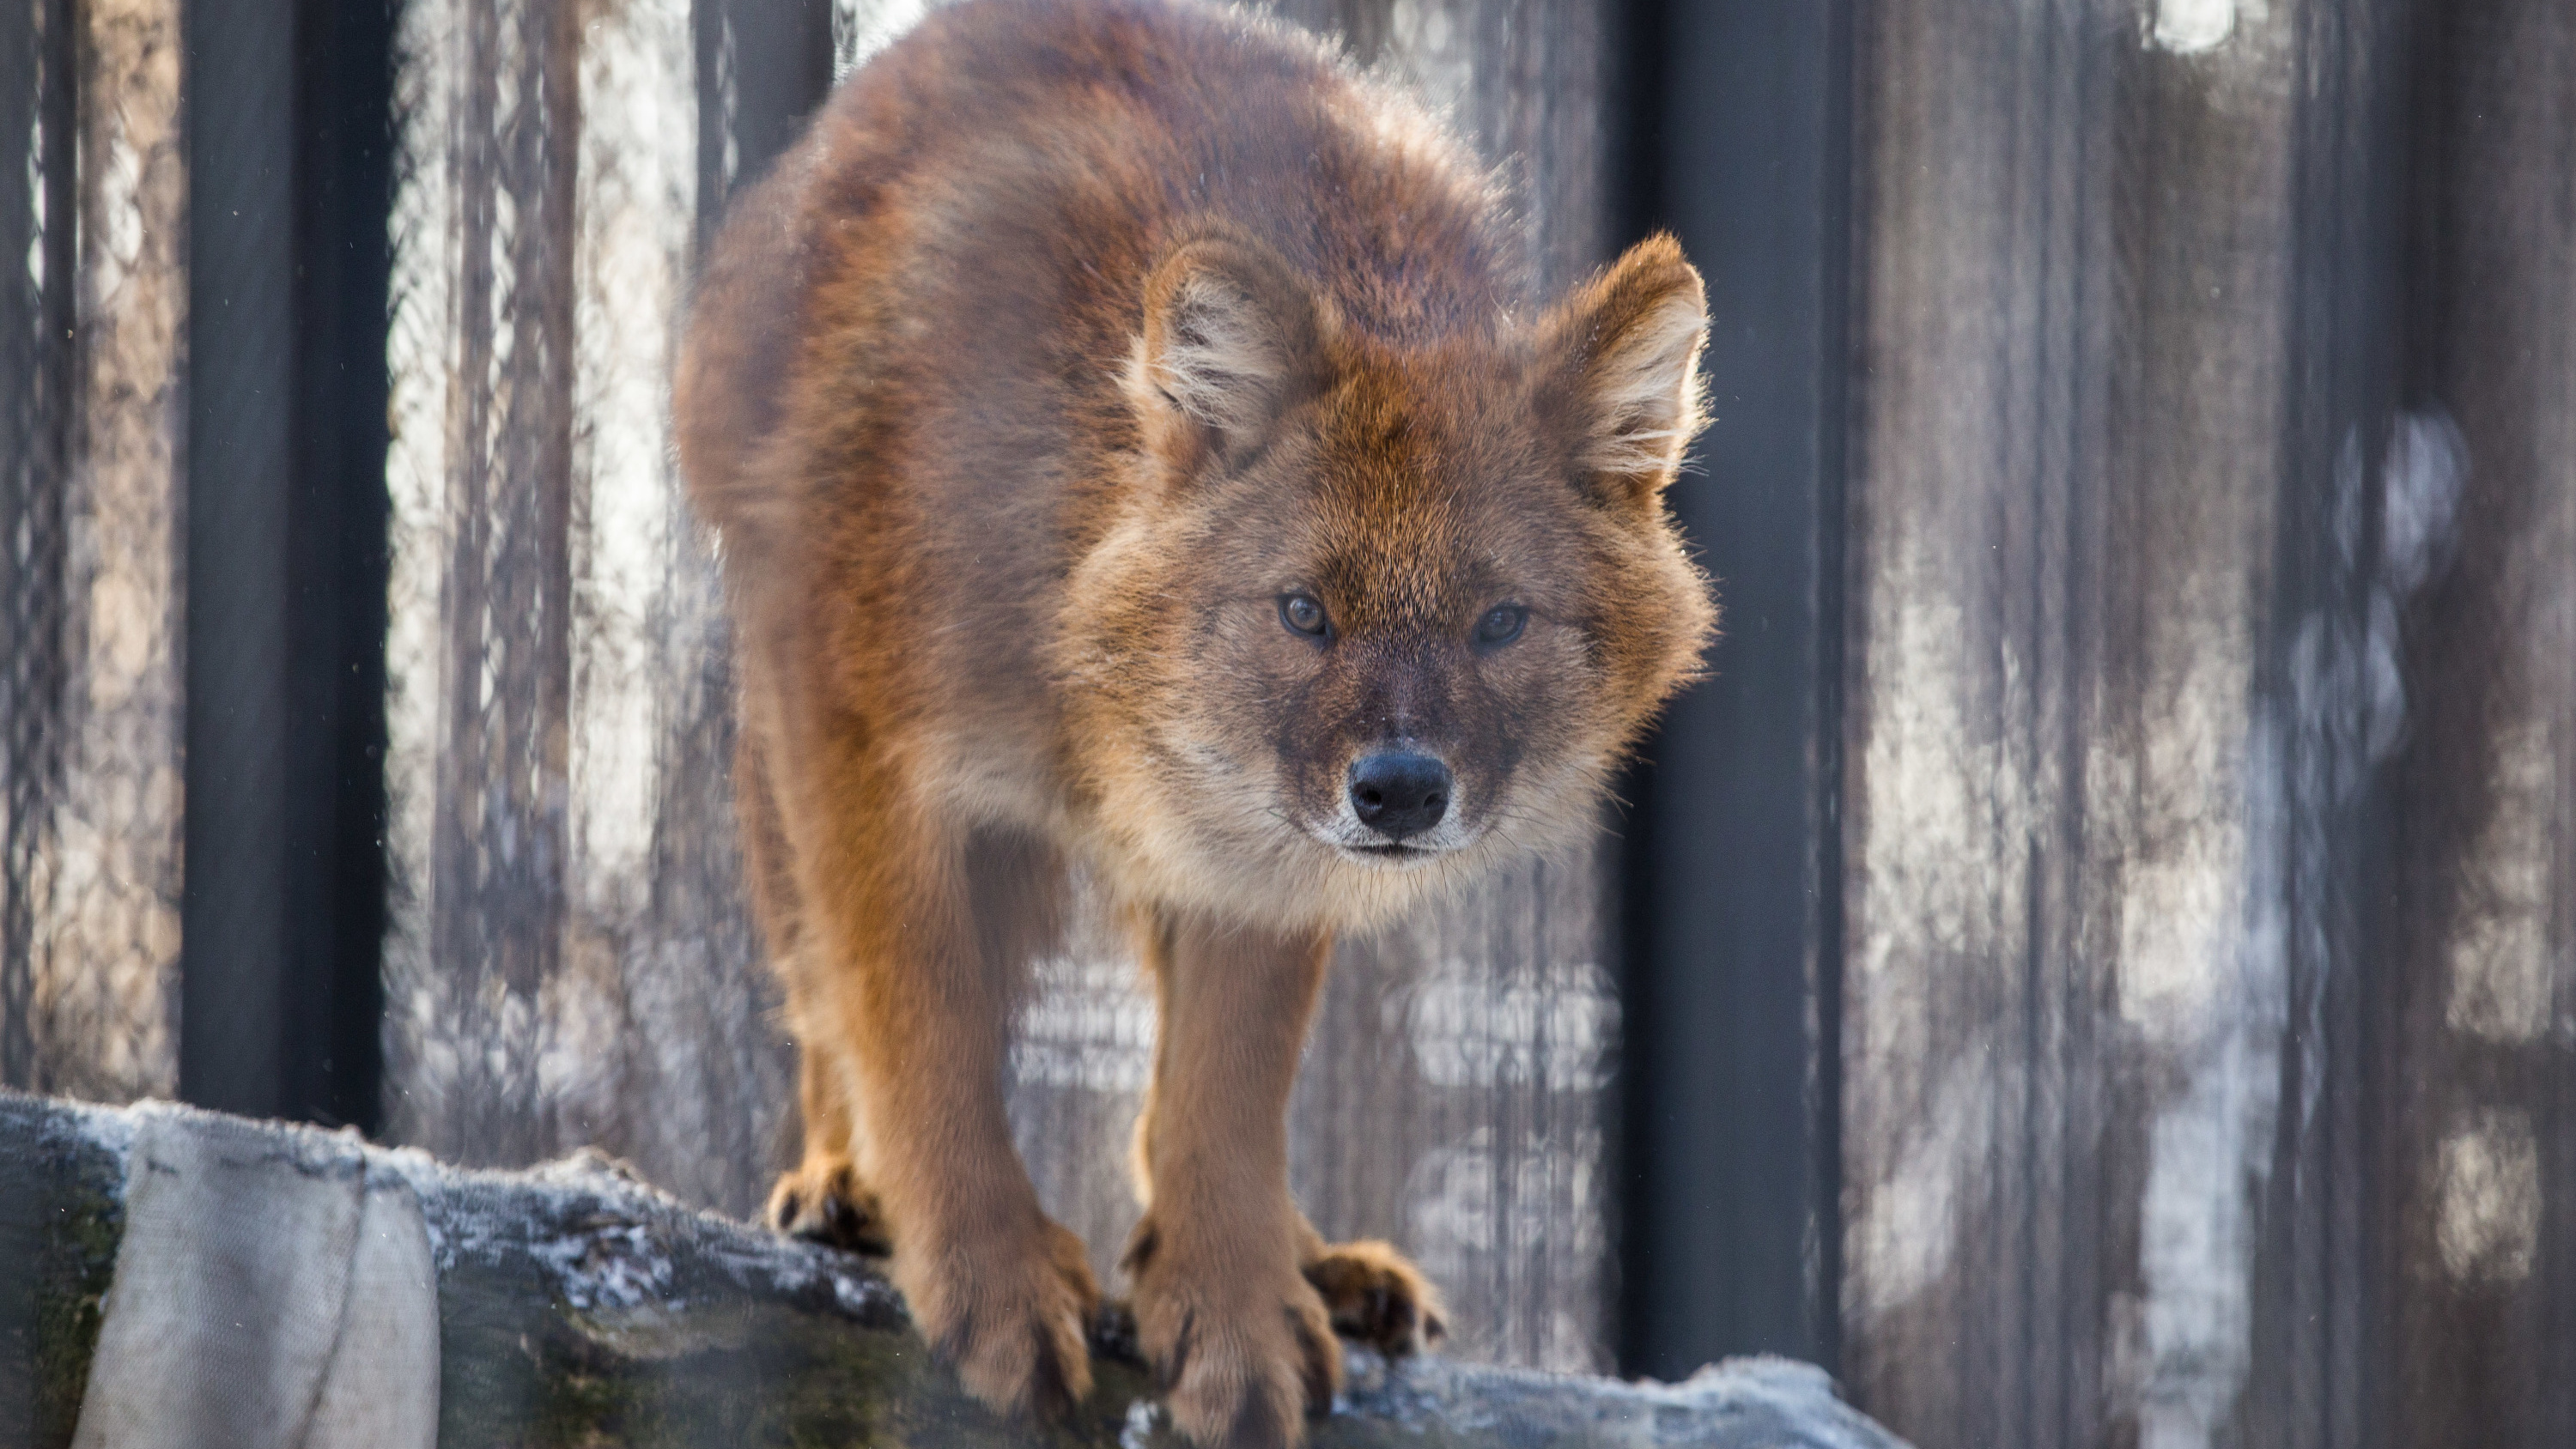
x,y
1400,793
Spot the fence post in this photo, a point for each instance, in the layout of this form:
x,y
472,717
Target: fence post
x,y
281,916
1731,860
238,89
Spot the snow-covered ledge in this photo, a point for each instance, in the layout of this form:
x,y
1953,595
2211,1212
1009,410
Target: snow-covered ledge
x,y
175,1276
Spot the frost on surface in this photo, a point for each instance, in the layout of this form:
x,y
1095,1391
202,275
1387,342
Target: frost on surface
x,y
575,1300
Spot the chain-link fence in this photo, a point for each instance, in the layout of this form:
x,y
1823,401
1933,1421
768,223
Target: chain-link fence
x,y
93,298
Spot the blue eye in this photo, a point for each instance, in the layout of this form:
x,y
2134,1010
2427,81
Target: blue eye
x,y
1303,615
1501,625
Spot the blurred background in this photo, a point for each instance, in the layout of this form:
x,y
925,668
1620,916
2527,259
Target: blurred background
x,y
2096,965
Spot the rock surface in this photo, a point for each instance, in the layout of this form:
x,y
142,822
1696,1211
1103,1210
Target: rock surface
x,y
579,1306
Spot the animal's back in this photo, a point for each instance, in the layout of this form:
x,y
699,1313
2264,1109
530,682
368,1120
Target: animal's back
x,y
960,242
900,393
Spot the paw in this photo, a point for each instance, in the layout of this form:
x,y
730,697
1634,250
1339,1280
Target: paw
x,y
1377,1297
823,1202
1243,1353
1009,1316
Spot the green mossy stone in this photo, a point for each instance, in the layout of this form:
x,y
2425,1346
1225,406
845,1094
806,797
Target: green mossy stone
x,y
61,1211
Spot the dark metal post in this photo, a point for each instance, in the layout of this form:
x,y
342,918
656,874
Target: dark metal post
x,y
282,907
239,88
337,559
1732,869
763,66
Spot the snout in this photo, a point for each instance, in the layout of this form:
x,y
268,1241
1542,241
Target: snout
x,y
1400,793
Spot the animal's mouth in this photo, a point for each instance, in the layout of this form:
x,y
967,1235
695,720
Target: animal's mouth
x,y
1394,853
1368,848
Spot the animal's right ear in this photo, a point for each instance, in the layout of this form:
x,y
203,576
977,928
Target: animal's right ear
x,y
1625,369
1233,339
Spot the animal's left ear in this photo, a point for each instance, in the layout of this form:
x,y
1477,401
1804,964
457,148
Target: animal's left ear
x,y
1622,362
1233,339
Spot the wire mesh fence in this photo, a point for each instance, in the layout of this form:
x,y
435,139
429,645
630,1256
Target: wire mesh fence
x,y
2207,1025
93,300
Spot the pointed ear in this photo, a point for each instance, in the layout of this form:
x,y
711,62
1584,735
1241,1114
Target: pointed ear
x,y
1233,339
1623,356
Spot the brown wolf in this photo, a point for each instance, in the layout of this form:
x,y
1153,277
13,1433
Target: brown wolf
x,y
1133,446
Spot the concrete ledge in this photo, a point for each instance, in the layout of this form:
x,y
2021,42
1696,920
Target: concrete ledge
x,y
578,1306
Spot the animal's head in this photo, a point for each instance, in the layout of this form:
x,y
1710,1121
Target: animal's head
x,y
1376,615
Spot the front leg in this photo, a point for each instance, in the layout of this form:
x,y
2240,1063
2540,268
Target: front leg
x,y
1242,1342
914,941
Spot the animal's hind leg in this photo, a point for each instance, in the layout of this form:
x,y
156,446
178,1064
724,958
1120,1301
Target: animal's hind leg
x,y
822,1197
1374,1293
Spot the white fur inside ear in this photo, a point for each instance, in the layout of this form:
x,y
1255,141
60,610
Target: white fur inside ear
x,y
1645,391
1222,361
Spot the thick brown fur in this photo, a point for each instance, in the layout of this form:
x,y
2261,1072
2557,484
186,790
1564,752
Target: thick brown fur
x,y
1072,342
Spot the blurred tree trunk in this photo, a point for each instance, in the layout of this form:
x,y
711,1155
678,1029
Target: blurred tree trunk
x,y
2479,921
571,961
2208,735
